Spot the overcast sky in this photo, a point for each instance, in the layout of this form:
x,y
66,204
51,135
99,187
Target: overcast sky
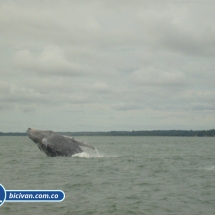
x,y
102,65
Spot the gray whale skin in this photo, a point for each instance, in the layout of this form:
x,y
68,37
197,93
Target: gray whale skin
x,y
54,144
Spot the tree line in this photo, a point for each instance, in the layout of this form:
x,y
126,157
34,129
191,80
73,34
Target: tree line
x,y
173,133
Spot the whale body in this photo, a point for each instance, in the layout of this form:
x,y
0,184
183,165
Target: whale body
x,y
54,144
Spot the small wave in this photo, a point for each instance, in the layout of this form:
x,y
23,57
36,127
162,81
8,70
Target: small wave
x,y
211,168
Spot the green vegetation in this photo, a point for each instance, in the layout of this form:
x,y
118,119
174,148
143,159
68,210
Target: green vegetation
x,y
12,134
181,133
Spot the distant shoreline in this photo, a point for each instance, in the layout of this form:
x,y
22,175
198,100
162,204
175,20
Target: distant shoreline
x,y
168,133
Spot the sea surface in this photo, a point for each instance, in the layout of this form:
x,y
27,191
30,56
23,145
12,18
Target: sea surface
x,y
129,175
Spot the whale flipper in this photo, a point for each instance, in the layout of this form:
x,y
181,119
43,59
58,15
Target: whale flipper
x,y
80,143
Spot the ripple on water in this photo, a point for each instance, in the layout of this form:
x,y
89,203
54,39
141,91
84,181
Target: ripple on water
x,y
135,175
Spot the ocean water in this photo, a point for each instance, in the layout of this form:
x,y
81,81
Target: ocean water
x,y
129,175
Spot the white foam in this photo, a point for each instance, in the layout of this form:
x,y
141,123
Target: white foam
x,y
81,155
88,154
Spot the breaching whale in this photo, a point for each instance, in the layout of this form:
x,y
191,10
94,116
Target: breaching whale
x,y
54,144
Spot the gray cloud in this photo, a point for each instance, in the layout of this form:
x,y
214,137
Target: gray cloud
x,y
105,65
50,61
150,76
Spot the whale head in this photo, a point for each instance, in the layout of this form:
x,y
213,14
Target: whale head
x,y
37,135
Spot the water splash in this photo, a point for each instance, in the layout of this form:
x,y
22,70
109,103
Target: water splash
x,y
88,154
81,155
98,154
